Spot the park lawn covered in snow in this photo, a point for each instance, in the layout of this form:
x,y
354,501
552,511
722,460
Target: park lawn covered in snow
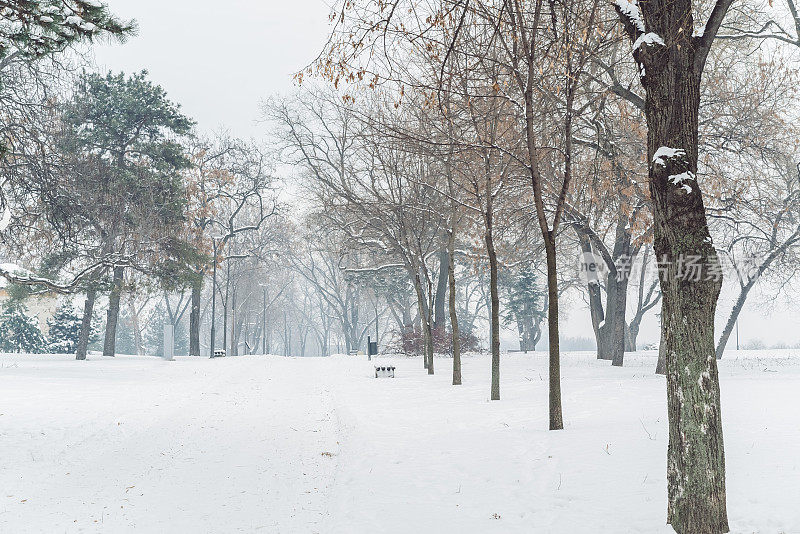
x,y
272,444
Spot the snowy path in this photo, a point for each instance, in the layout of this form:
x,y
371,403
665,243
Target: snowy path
x,y
285,445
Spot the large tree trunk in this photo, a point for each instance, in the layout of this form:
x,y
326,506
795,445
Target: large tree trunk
x,y
194,318
109,345
616,309
661,364
86,325
695,459
616,333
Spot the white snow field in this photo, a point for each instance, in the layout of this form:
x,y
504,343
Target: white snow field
x,y
285,445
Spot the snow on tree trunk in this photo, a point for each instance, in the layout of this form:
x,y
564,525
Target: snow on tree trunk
x,y
695,460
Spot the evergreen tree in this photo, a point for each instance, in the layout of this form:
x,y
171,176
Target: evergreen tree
x,y
126,343
18,331
37,28
128,131
524,305
64,330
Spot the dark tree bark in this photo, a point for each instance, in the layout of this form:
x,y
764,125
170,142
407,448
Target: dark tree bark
x,y
234,327
194,318
554,371
86,325
441,291
112,317
451,279
425,321
671,72
661,365
596,310
494,309
609,324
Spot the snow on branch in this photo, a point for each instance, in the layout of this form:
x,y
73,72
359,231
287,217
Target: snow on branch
x,y
631,18
113,260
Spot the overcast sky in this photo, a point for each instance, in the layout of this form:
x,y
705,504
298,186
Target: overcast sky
x,y
219,62
219,59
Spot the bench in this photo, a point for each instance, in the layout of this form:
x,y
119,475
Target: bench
x,y
219,353
384,371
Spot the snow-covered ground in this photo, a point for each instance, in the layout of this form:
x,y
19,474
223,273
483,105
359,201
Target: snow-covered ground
x,y
284,445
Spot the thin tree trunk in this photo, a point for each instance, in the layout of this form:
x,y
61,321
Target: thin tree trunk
x,y
556,418
451,279
137,332
596,310
441,290
109,346
86,325
234,338
494,308
194,318
425,324
225,305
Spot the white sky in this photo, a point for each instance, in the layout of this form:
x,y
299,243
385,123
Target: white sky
x,y
220,59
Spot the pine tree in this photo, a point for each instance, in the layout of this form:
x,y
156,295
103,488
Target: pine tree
x,y
18,331
37,28
65,329
128,128
524,296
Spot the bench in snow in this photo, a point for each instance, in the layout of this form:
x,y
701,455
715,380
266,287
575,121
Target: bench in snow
x,y
384,371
